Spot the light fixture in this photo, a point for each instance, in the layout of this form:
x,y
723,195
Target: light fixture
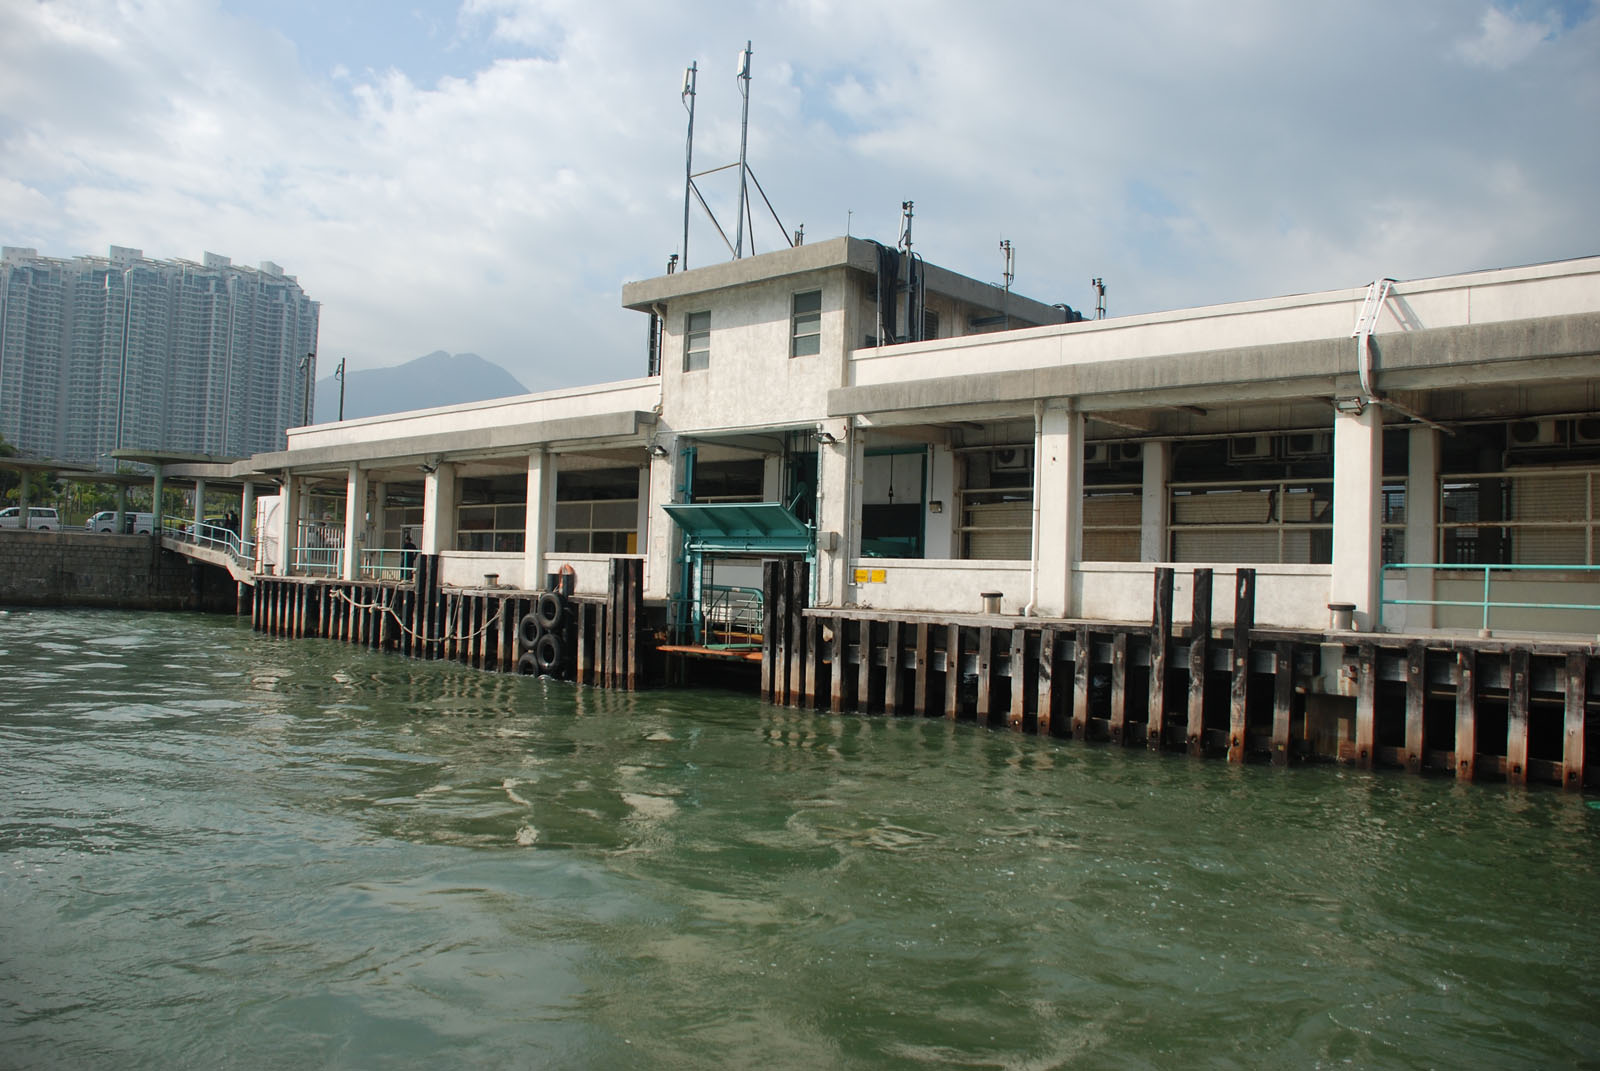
x,y
1353,406
659,451
826,438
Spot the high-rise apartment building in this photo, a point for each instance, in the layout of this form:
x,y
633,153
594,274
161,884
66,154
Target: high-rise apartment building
x,y
123,352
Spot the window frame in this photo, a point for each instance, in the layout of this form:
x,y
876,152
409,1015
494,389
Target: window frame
x,y
805,325
696,359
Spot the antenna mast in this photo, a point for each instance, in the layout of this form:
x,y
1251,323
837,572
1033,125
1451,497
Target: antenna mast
x,y
1099,285
1008,274
688,154
744,134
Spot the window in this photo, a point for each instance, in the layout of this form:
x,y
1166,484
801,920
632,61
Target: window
x,y
696,341
597,512
806,325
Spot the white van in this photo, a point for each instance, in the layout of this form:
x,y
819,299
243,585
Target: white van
x,y
40,518
106,521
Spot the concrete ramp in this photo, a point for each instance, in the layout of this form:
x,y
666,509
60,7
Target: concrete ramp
x,y
211,555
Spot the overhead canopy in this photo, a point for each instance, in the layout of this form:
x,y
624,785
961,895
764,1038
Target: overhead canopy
x,y
741,526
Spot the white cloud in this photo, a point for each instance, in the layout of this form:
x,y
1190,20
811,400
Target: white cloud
x,y
1505,38
1187,159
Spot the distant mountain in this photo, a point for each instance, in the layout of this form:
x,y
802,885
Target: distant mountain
x,y
440,378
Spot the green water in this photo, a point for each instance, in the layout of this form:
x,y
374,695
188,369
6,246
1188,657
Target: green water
x,y
223,850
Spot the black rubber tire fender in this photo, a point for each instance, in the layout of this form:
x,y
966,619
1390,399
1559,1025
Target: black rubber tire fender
x,y
550,653
527,665
550,610
528,630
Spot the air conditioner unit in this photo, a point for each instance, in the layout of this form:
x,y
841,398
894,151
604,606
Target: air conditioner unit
x,y
1012,458
1586,431
1308,444
1095,453
1533,434
1127,451
1249,448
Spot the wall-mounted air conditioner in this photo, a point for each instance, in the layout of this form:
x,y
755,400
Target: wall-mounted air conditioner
x,y
1308,444
1250,448
1126,451
1586,431
1095,453
1012,458
1534,434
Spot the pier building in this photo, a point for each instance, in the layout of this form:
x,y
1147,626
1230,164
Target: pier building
x,y
1359,524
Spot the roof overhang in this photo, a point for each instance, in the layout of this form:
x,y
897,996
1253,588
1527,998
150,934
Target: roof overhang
x,y
740,526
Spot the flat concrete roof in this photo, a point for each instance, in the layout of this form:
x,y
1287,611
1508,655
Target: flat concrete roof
x,y
856,253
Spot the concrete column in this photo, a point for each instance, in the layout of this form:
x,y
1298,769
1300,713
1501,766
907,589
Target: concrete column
x,y
289,523
1357,510
355,520
247,514
539,520
25,477
122,508
1153,541
662,536
940,527
199,506
156,519
439,510
772,478
377,522
1058,496
839,473
641,520
1422,521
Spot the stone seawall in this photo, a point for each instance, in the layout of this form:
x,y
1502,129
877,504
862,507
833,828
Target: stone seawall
x,y
112,571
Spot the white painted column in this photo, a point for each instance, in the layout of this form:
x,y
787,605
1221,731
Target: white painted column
x,y
940,527
156,490
661,536
199,506
355,520
439,510
1153,530
1357,510
772,478
247,513
1422,521
122,508
377,520
1058,494
539,519
289,522
839,469
641,520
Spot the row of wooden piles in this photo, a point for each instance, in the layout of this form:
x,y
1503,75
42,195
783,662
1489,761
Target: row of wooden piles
x,y
478,628
1509,710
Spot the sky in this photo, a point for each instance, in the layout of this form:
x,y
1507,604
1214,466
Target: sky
x,y
483,176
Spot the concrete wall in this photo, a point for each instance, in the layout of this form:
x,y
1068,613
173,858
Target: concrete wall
x,y
109,571
940,586
1288,596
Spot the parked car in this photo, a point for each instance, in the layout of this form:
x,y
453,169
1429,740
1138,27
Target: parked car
x,y
40,518
106,521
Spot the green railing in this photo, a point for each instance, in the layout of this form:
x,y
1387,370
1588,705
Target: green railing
x,y
1487,602
387,563
214,536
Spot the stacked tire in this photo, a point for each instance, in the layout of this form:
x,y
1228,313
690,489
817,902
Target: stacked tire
x,y
543,639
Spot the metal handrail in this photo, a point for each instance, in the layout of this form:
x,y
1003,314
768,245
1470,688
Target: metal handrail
x,y
387,563
324,560
214,536
730,606
1486,603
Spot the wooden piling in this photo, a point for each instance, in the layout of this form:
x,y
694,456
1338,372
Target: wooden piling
x,y
1466,714
922,651
1045,682
1517,717
836,676
1160,647
1199,641
952,671
1366,704
1082,655
1244,619
1119,688
891,669
864,666
1019,678
1416,685
1577,695
1282,701
985,672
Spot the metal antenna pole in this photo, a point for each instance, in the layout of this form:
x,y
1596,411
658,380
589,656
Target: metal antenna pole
x,y
340,373
1007,274
1099,285
689,78
744,135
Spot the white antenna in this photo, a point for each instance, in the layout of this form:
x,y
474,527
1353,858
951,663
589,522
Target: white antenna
x,y
688,154
744,134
